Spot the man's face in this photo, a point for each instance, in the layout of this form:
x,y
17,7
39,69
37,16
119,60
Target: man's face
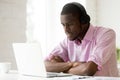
x,y
71,25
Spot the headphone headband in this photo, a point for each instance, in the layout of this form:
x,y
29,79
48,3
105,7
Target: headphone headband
x,y
79,8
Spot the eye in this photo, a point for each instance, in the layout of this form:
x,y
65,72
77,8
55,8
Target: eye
x,y
70,24
63,24
67,24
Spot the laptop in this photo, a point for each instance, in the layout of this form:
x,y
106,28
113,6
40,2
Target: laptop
x,y
30,62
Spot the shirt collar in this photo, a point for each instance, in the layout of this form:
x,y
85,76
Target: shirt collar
x,y
78,42
89,34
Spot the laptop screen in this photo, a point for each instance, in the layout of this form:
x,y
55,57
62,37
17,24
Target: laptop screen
x,y
29,59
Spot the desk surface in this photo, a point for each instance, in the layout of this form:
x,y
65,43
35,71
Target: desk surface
x,y
15,76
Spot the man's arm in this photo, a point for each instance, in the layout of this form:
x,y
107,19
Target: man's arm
x,y
85,68
56,64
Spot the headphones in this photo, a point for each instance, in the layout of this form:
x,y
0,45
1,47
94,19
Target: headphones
x,y
84,17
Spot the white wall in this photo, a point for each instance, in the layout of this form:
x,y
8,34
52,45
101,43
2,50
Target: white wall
x,y
107,14
12,27
91,9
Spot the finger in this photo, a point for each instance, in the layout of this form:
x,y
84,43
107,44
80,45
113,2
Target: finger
x,y
52,57
75,64
59,59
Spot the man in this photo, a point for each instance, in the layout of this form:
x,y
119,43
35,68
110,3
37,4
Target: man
x,y
88,50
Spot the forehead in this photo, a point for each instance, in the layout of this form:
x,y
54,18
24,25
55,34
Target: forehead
x,y
69,17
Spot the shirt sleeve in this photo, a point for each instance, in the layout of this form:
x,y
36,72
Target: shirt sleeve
x,y
104,48
60,50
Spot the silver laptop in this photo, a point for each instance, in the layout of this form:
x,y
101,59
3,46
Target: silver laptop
x,y
30,61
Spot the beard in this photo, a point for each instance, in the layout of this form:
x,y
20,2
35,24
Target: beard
x,y
72,36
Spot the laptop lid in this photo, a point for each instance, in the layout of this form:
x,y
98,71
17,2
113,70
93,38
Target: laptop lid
x,y
29,59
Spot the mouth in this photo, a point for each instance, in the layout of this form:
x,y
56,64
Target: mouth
x,y
69,35
68,32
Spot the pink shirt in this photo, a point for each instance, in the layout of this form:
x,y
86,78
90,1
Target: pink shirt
x,y
98,46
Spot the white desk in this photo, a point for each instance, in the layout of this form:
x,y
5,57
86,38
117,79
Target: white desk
x,y
15,76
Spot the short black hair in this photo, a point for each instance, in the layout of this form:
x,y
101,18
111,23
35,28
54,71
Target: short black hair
x,y
76,8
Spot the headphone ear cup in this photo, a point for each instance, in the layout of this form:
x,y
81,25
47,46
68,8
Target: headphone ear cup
x,y
85,19
82,19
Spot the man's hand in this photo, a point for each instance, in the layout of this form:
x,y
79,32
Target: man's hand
x,y
56,59
83,68
75,64
57,66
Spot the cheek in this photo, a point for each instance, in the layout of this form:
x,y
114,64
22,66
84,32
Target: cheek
x,y
76,30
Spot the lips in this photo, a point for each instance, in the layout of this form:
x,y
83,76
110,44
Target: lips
x,y
69,34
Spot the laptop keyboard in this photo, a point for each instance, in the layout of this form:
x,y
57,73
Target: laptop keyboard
x,y
53,74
